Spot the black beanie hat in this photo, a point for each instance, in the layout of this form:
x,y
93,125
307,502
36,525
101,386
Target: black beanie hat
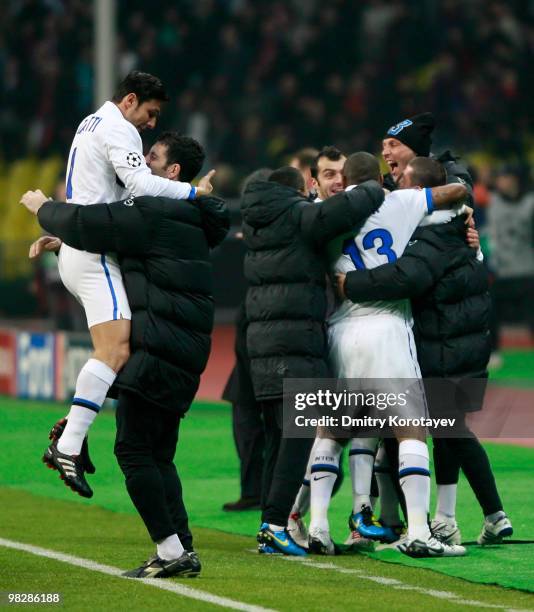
x,y
415,133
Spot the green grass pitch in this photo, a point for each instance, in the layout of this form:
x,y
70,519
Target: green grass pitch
x,y
37,509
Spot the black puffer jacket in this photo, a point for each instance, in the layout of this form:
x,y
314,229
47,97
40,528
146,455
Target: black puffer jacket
x,y
286,300
163,250
450,300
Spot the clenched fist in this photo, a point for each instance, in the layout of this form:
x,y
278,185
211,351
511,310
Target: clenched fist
x,y
33,200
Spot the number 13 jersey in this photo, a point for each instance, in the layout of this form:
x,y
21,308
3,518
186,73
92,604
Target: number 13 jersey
x,y
382,239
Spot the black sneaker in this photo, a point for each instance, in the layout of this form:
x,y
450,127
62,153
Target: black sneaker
x,y
57,431
70,469
160,568
195,560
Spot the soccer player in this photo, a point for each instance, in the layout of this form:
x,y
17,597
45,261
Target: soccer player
x,y
106,164
327,172
444,278
375,341
163,249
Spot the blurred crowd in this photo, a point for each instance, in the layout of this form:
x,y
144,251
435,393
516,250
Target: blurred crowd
x,y
256,79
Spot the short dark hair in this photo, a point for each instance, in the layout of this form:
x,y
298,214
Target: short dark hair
x,y
288,176
305,157
361,167
427,172
145,86
332,153
185,151
261,174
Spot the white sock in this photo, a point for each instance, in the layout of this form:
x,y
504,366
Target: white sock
x,y
389,500
170,548
361,460
446,502
302,501
94,381
324,471
415,482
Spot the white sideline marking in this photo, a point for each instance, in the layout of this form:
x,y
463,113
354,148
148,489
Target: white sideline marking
x,y
401,586
174,587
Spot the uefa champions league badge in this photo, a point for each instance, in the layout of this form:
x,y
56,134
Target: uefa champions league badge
x,y
133,159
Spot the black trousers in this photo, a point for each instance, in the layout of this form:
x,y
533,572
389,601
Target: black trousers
x,y
466,453
284,467
249,439
246,414
145,446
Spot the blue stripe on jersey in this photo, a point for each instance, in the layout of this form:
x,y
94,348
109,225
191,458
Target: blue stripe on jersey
x,y
108,276
192,193
429,200
69,179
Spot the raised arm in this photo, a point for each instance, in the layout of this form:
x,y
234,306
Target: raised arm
x,y
341,213
124,148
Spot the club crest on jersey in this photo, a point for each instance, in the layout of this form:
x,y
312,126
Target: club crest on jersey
x,y
396,129
133,160
128,202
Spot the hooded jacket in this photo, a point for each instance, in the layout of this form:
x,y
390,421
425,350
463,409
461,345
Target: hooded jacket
x,y
286,300
162,246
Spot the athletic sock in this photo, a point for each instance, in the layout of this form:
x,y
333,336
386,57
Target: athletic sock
x,y
302,501
414,477
94,381
324,471
170,548
446,502
389,500
361,460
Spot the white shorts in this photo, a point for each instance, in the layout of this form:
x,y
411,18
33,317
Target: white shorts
x,y
96,282
373,346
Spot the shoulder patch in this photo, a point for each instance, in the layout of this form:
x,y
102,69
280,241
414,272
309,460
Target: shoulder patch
x,y
133,159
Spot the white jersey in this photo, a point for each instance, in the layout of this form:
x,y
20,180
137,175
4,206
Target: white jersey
x,y
106,162
382,239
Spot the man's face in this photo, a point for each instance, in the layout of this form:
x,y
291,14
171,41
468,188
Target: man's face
x,y
406,180
396,155
156,160
329,176
143,116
